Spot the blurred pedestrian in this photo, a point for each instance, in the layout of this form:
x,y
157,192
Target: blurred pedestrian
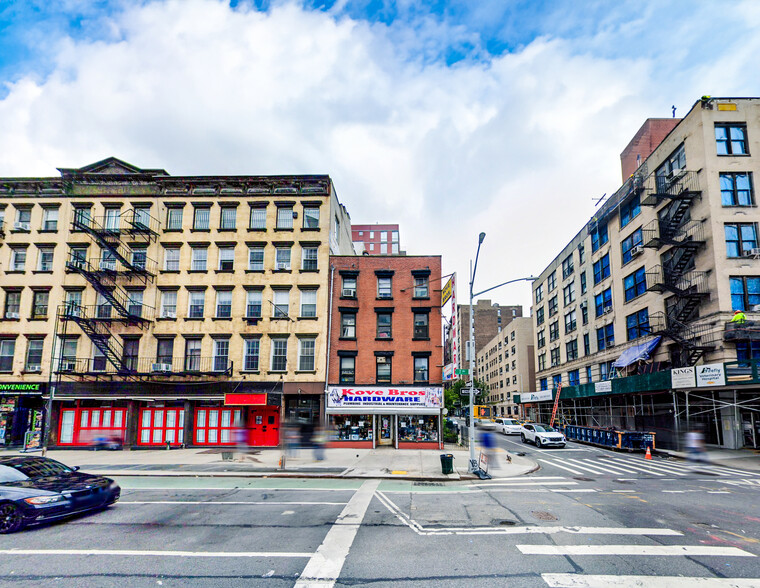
x,y
488,443
318,442
292,439
695,445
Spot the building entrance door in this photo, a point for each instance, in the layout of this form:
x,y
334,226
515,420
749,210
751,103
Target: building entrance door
x,y
264,426
751,429
386,429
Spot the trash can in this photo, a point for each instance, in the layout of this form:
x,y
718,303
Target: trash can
x,y
447,463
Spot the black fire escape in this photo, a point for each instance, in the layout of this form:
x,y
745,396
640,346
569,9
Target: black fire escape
x,y
679,238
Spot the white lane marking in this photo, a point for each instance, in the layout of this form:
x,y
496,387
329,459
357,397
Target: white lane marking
x,y
237,503
288,512
324,567
147,553
221,489
599,581
572,490
657,550
650,471
575,464
624,469
556,465
623,491
718,492
521,484
674,491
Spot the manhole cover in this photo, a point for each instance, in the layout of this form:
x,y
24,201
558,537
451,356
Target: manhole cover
x,y
542,515
582,479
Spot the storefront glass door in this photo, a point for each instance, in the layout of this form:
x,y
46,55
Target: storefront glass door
x,y
386,429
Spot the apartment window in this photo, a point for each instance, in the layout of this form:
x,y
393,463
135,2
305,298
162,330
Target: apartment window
x,y
629,244
199,259
306,351
253,303
223,303
731,139
540,316
586,344
169,304
113,219
281,306
34,355
574,377
568,293
570,322
554,331
553,306
551,281
279,359
635,284
258,220
7,350
18,259
543,384
605,337
12,304
40,304
347,370
107,260
228,219
421,325
384,322
383,367
541,361
571,349
82,217
348,287
745,292
421,287
599,237
78,256
584,312
348,325
201,218
256,259
567,266
736,189
539,293
311,217
196,303
308,303
282,258
23,219
581,253
165,351
135,302
192,355
251,357
171,259
584,286
602,269
141,218
139,257
384,287
603,302
173,219
226,259
309,258
540,339
99,361
285,217
629,210
554,356
675,161
606,370
746,350
637,324
103,307
421,369
49,219
740,238
221,355
45,259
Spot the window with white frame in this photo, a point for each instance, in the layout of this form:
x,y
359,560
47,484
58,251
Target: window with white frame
x,y
221,354
107,260
12,304
384,287
251,357
49,219
311,217
226,259
285,217
281,303
45,259
18,259
348,289
421,287
196,302
348,325
34,355
306,349
253,304
40,304
193,355
258,219
174,219
141,217
199,259
7,351
23,219
309,258
68,353
99,361
256,258
171,259
112,220
135,302
308,303
103,307
279,354
421,369
202,218
282,258
169,304
223,303
139,257
228,219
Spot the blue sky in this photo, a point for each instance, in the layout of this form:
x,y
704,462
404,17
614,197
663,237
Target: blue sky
x,y
450,116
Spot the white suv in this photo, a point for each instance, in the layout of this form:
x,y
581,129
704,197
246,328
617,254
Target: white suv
x,y
508,426
542,435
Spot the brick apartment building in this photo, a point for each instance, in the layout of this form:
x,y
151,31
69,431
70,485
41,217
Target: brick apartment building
x,y
376,239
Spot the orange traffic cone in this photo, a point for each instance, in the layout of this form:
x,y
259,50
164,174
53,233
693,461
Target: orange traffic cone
x,y
649,453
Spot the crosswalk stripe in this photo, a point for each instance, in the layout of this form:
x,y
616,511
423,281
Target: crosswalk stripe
x,y
600,581
556,465
656,550
617,468
739,472
583,467
626,467
650,470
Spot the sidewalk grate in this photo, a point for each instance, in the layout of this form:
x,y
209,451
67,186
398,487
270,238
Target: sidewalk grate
x,y
427,484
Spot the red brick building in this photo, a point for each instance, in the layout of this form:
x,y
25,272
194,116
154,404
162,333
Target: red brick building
x,y
386,355
376,239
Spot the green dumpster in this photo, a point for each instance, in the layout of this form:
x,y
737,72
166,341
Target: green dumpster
x,y
447,463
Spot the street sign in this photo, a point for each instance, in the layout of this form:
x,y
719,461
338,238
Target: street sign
x,y
466,391
462,372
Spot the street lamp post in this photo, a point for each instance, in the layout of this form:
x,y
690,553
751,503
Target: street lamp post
x,y
474,466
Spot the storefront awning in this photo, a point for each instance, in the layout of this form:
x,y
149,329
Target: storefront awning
x,y
636,353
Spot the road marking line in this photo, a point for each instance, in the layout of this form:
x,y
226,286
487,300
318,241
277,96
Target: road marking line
x,y
599,581
223,488
616,469
238,503
718,492
324,567
572,490
657,550
556,465
593,470
650,471
674,491
520,484
147,553
621,491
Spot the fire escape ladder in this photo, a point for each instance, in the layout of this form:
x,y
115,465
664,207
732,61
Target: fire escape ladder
x,y
694,340
98,332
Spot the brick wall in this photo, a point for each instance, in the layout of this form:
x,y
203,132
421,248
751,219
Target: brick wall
x,y
644,142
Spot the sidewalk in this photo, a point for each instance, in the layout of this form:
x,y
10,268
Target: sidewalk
x,y
404,464
743,459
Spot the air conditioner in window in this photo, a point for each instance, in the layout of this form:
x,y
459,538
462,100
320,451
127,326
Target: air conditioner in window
x,y
349,292
607,310
68,365
281,265
555,364
638,250
21,226
11,315
169,314
754,252
34,368
161,367
675,174
382,359
755,308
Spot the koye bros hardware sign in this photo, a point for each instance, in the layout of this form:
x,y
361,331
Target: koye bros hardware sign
x,y
389,400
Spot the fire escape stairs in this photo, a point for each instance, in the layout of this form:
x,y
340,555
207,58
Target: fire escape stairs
x,y
98,332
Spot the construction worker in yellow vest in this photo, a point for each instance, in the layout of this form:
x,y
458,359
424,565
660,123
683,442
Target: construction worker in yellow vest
x,y
739,317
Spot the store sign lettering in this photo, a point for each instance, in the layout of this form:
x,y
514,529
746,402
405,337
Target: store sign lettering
x,y
420,397
20,387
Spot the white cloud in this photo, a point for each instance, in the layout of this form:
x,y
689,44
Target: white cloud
x,y
516,147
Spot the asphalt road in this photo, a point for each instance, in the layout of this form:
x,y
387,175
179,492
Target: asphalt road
x,y
617,522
